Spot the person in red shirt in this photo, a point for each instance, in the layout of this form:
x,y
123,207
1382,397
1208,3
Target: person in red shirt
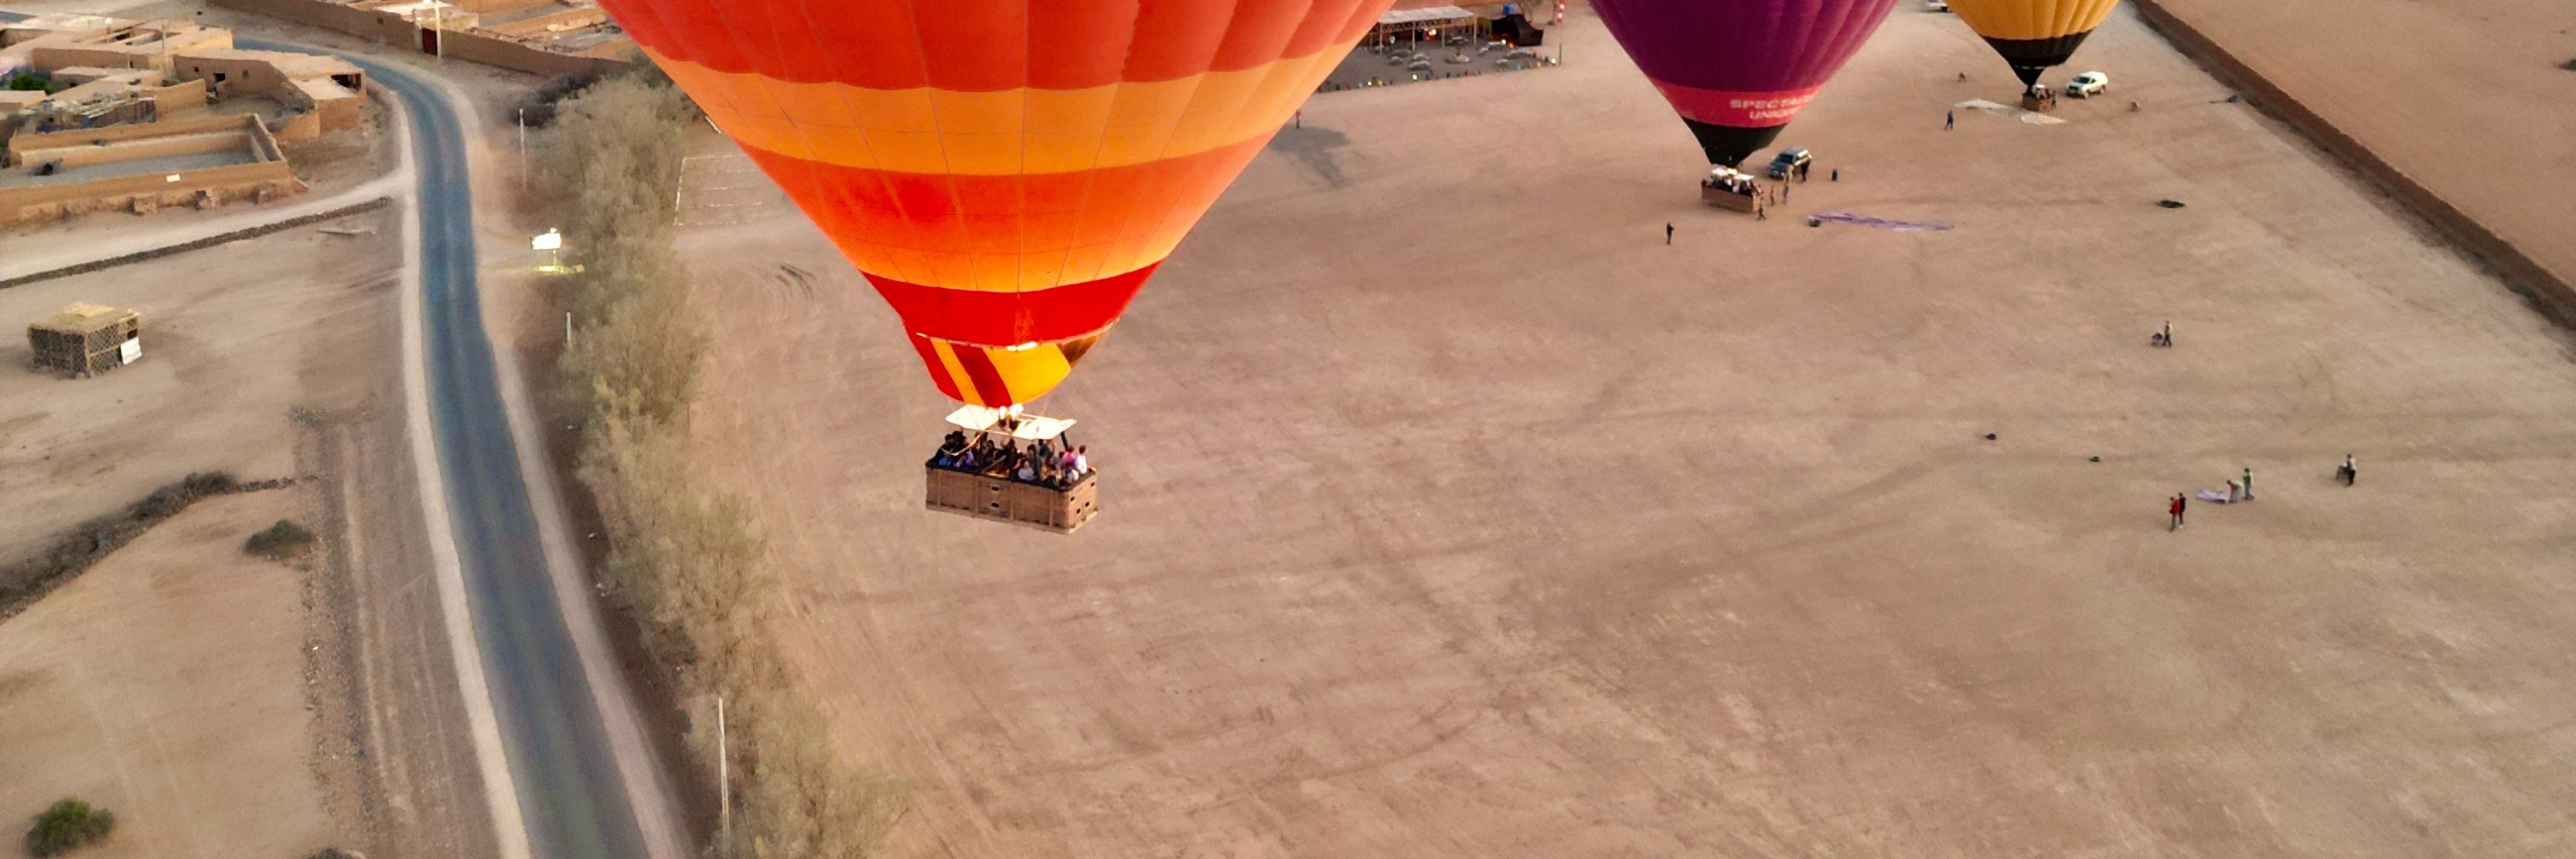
x,y
2177,513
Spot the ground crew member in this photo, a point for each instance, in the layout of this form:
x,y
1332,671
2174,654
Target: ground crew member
x,y
2249,484
2176,509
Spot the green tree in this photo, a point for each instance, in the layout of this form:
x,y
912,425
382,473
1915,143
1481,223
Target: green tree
x,y
67,826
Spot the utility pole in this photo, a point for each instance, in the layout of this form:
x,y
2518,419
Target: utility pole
x,y
724,781
523,152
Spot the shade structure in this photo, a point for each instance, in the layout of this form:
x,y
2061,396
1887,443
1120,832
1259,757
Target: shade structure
x,y
2034,35
1007,173
1739,70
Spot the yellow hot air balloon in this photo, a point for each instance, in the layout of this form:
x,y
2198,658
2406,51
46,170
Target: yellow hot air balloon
x,y
2033,35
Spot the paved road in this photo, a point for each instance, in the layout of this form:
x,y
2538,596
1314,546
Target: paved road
x,y
570,793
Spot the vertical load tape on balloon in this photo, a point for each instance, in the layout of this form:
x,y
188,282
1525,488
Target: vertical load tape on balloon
x,y
1007,173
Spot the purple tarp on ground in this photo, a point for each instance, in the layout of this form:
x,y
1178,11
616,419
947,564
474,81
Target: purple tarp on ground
x,y
1881,223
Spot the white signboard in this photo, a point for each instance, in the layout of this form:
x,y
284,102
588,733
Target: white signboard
x,y
131,352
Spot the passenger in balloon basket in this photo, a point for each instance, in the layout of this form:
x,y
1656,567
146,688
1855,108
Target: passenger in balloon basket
x,y
952,451
1041,463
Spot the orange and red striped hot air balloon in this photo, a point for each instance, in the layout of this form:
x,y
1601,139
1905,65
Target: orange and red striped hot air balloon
x,y
1006,172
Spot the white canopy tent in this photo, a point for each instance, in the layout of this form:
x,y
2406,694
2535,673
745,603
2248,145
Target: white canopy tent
x,y
1024,427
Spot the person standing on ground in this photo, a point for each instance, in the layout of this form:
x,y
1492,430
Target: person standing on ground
x,y
1301,119
1837,175
1950,121
2176,509
2249,484
2349,473
1668,232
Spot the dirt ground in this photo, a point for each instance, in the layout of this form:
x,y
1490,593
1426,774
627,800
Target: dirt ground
x,y
2470,98
271,357
166,685
236,338
1448,512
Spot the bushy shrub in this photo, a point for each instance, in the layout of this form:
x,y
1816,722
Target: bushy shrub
x,y
72,552
68,826
280,542
685,565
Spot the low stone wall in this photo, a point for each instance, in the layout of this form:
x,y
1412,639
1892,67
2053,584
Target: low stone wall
x,y
207,188
541,25
201,143
517,56
393,30
2554,295
198,244
389,29
22,144
266,179
298,127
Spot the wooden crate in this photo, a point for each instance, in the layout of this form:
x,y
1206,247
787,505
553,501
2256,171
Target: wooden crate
x,y
1003,500
87,339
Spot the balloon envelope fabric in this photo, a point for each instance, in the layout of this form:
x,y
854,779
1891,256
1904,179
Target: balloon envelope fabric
x,y
1007,173
1739,70
2034,35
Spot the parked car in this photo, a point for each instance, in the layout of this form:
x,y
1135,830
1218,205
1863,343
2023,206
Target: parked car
x,y
1936,5
2088,85
1791,160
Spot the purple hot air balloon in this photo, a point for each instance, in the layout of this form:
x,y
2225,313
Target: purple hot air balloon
x,y
1738,70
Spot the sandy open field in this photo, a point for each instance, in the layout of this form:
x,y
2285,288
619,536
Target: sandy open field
x,y
272,357
2466,96
235,339
167,685
1449,513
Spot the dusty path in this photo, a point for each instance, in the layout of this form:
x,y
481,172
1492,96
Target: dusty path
x,y
1448,513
